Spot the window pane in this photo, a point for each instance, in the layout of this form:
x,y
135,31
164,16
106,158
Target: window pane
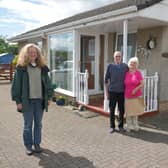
x,y
61,60
39,43
131,44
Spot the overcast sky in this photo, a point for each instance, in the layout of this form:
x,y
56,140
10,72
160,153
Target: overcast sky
x,y
18,16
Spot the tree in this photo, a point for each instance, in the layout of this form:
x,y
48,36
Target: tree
x,y
13,49
6,47
3,45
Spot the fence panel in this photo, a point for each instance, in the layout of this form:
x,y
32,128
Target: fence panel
x,y
151,93
82,93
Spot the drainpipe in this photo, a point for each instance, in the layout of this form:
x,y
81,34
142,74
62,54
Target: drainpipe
x,y
125,39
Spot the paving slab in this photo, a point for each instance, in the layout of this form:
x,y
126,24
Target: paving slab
x,y
72,141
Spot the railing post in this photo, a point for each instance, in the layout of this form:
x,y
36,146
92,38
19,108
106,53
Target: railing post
x,y
151,93
156,78
144,94
86,97
78,89
106,101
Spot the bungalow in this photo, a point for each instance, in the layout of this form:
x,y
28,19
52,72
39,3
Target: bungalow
x,y
79,48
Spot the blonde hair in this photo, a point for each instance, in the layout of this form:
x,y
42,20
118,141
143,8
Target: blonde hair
x,y
133,59
23,58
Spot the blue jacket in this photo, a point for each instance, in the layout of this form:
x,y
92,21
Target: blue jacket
x,y
115,75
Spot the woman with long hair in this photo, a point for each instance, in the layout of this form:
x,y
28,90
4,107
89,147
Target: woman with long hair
x,y
32,91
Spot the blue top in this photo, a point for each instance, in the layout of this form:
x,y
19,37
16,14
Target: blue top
x,y
115,74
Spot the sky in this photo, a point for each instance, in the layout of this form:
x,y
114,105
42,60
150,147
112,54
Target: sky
x,y
19,16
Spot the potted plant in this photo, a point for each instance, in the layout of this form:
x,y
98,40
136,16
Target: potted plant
x,y
60,100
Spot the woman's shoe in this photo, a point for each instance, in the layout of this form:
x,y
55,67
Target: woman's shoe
x,y
111,130
128,130
37,148
136,128
29,151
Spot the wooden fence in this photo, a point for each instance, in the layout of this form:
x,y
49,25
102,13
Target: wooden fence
x,y
6,72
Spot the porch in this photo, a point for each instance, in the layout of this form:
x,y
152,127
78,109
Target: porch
x,y
99,103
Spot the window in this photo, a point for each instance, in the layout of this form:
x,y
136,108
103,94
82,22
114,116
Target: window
x,y
131,44
39,43
61,60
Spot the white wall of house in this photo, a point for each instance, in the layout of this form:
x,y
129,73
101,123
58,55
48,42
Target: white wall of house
x,y
164,66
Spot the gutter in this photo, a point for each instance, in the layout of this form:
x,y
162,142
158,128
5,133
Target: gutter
x,y
81,23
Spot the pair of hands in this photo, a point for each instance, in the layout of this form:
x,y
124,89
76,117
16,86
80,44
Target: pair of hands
x,y
133,93
19,106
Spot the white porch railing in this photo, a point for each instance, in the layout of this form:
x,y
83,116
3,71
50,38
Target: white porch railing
x,y
150,94
82,83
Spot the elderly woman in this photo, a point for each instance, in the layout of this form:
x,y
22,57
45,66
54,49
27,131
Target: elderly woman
x,y
133,93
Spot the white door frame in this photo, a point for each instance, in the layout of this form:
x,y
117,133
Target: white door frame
x,y
97,55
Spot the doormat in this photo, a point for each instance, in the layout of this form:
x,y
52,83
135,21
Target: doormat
x,y
86,114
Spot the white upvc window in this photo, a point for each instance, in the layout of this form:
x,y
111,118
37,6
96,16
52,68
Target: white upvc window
x,y
61,60
131,48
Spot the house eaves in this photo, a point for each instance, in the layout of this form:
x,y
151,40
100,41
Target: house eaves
x,y
75,24
112,10
156,12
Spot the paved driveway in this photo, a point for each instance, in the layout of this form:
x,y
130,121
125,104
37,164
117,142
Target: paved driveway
x,y
73,141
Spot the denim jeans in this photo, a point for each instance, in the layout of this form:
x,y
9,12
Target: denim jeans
x,y
35,113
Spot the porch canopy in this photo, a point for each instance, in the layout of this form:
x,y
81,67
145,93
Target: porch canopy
x,y
111,18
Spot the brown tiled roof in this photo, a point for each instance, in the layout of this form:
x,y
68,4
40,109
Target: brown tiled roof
x,y
141,4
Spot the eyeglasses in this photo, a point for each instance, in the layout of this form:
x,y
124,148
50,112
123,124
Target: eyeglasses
x,y
133,62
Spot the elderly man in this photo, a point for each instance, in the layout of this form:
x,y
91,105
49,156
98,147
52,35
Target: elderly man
x,y
114,81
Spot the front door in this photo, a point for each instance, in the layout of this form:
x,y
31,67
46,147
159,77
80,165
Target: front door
x,y
88,58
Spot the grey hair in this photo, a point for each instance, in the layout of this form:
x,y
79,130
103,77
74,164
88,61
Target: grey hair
x,y
117,52
133,59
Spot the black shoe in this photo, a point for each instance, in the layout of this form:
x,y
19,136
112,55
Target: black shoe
x,y
121,129
29,151
111,130
37,149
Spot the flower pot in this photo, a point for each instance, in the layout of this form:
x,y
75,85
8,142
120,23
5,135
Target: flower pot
x,y
60,102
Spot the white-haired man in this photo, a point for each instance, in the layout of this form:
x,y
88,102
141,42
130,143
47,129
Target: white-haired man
x,y
114,81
